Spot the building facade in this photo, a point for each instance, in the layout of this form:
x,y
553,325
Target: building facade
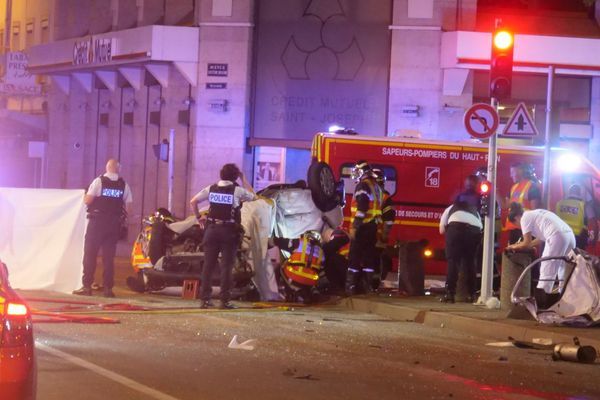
x,y
251,81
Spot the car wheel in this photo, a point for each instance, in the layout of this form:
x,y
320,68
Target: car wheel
x,y
322,185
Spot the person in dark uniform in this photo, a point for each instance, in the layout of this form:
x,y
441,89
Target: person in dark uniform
x,y
107,200
223,230
461,224
366,216
336,248
388,216
471,194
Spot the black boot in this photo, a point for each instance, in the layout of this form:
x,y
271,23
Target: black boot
x,y
351,280
448,298
367,280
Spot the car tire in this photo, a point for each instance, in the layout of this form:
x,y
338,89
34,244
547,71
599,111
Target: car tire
x,y
322,185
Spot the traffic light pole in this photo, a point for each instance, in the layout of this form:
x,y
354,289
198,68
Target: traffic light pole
x,y
487,270
546,173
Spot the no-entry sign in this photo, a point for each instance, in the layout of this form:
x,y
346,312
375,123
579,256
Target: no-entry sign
x,y
481,120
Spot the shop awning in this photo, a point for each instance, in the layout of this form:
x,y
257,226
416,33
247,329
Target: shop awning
x,y
128,53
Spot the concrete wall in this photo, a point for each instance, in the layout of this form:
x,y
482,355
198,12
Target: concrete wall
x,y
595,121
220,137
417,78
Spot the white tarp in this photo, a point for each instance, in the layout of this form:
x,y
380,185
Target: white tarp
x,y
41,240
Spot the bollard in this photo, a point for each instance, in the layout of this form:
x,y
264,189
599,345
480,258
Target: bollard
x,y
513,265
411,270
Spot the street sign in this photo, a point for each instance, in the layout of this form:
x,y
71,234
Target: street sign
x,y
481,120
520,123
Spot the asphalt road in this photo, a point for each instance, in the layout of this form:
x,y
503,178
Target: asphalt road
x,y
319,353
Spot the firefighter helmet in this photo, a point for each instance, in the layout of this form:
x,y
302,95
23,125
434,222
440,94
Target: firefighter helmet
x,y
313,236
379,176
361,168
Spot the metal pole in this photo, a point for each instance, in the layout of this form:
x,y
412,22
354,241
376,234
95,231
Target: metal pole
x,y
171,167
487,270
546,177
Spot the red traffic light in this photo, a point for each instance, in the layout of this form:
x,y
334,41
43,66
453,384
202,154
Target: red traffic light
x,y
501,64
485,187
503,39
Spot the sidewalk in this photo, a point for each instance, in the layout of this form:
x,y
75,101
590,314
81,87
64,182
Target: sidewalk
x,y
468,318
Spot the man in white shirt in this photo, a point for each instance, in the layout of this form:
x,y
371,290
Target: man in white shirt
x,y
462,226
544,226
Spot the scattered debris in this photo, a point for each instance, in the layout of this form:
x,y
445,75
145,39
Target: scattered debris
x,y
500,344
539,344
492,303
309,330
502,358
558,372
574,352
308,377
375,346
289,372
332,320
453,366
309,320
417,362
247,345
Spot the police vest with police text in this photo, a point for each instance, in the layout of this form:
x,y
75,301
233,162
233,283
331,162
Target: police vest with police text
x,y
110,201
221,203
572,211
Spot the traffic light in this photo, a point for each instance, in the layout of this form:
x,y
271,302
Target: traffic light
x,y
484,200
501,64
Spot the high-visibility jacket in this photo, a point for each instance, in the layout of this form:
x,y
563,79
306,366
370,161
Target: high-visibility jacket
x,y
305,263
572,211
518,194
138,259
371,191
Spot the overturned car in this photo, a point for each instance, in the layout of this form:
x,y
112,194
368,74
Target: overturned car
x,y
166,251
579,302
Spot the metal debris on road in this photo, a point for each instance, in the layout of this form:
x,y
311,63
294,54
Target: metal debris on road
x,y
247,345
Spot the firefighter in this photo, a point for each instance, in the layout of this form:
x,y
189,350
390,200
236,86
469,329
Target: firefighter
x,y
336,249
223,229
107,201
576,212
547,227
525,191
461,224
366,215
303,268
388,215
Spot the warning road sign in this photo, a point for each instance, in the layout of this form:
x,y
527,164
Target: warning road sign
x,y
520,123
481,120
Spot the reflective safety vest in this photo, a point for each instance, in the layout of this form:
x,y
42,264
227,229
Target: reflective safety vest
x,y
138,259
518,194
572,211
375,195
305,263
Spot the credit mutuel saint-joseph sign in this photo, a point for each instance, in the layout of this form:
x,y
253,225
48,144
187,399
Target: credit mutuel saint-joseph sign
x,y
93,51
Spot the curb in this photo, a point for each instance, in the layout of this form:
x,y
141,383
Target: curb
x,y
436,319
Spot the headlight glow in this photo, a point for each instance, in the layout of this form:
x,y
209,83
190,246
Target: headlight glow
x,y
569,162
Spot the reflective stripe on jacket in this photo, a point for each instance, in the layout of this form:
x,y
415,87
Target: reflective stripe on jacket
x,y
375,195
305,263
572,211
518,194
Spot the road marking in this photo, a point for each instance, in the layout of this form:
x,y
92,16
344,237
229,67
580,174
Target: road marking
x,y
130,383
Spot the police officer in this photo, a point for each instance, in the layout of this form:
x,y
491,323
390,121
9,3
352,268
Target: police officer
x,y
107,200
366,215
576,212
222,234
524,191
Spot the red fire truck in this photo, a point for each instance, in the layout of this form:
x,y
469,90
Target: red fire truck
x,y
424,177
